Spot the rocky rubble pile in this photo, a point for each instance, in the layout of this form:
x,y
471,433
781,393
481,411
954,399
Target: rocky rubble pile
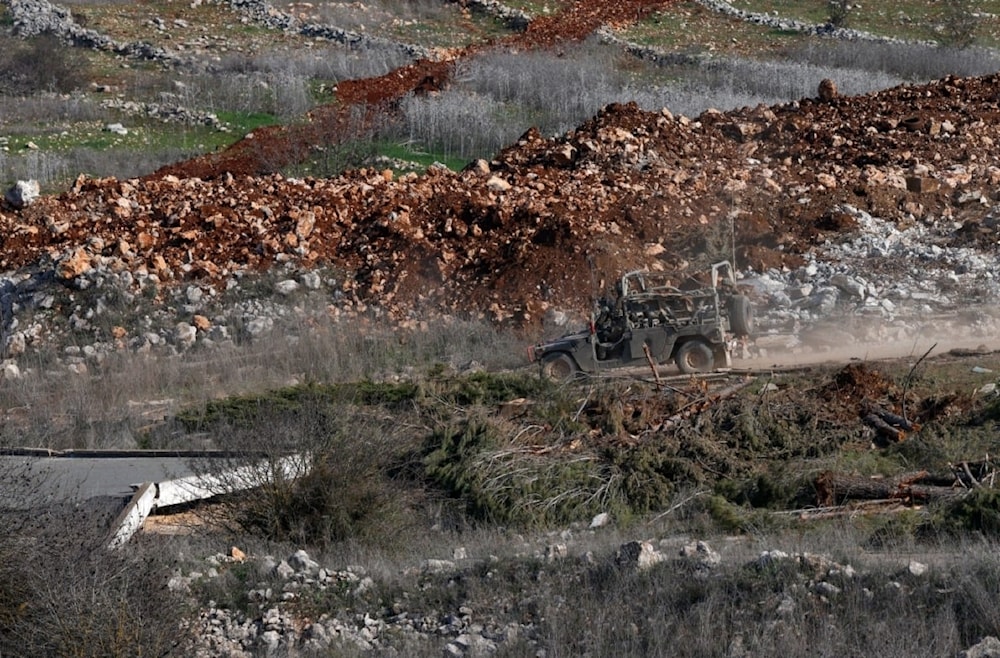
x,y
880,206
280,627
884,284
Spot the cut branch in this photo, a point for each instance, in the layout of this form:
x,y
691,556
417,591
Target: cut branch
x,y
837,488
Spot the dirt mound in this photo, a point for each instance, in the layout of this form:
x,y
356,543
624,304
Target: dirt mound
x,y
858,382
548,223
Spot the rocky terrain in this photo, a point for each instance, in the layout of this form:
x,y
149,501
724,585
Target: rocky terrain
x,y
880,207
465,630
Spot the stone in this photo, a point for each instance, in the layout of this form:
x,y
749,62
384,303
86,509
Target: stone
x,y
848,285
498,184
22,194
637,555
286,287
311,280
259,326
827,90
600,520
185,334
284,570
432,565
74,265
300,561
826,589
988,647
194,294
564,155
10,371
826,180
702,555
16,344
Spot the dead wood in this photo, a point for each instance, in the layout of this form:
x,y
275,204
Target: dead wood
x,y
838,488
888,425
652,366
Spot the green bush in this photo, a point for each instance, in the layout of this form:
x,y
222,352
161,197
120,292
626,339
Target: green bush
x,y
839,11
977,511
322,470
505,483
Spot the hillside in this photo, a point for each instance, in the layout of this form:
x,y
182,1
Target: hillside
x,y
852,219
370,322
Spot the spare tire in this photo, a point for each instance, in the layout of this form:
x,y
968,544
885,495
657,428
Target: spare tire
x,y
741,315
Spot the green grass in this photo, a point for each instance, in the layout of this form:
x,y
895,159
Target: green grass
x,y
908,19
406,153
689,27
143,134
400,157
538,7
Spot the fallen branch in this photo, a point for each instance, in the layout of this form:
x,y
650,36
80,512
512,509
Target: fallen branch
x,y
702,404
838,488
887,424
652,365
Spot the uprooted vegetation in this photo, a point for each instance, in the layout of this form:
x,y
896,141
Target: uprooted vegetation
x,y
511,468
514,450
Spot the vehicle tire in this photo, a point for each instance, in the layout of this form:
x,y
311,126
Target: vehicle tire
x,y
741,315
694,356
559,366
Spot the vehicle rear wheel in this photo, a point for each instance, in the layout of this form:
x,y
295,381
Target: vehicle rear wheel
x,y
694,356
559,366
741,315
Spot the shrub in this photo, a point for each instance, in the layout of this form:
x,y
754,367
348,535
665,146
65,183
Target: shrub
x,y
958,24
839,11
340,485
62,593
40,64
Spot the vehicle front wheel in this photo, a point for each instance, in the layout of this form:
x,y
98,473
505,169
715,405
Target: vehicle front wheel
x,y
559,366
694,356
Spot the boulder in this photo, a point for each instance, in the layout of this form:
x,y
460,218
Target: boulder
x,y
22,194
